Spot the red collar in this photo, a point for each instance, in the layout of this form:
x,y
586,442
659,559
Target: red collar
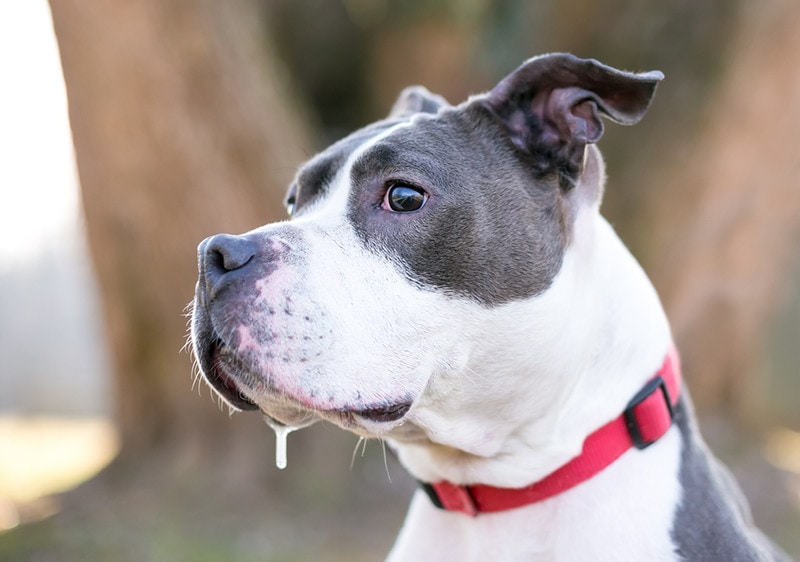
x,y
645,420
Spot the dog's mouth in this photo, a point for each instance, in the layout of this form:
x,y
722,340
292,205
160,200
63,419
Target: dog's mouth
x,y
221,369
226,373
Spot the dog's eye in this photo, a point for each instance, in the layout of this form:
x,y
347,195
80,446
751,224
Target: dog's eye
x,y
290,203
402,198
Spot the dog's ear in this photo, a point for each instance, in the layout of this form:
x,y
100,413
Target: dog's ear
x,y
417,99
551,107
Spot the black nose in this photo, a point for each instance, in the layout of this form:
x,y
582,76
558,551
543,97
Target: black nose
x,y
224,258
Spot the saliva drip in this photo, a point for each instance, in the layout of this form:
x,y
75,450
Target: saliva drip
x,y
281,432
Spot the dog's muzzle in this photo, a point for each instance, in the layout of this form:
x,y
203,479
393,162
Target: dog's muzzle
x,y
233,270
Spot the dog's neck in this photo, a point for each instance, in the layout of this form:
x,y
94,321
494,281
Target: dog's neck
x,y
557,350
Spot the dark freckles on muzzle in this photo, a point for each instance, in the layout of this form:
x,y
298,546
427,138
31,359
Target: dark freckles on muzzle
x,y
228,266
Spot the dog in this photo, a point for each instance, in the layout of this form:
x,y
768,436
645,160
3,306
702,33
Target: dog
x,y
446,283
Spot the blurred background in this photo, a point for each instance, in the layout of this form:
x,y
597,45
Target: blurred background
x,y
184,118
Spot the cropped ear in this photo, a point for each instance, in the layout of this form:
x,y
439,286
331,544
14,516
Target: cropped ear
x,y
417,99
551,106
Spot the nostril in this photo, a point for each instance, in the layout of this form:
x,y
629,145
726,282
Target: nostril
x,y
222,256
225,252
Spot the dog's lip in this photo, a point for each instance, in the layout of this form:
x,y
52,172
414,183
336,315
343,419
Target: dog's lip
x,y
384,414
347,417
222,381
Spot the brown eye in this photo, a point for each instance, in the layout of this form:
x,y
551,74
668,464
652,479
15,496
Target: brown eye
x,y
402,198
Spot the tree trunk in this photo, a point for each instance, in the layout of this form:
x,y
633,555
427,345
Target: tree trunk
x,y
181,130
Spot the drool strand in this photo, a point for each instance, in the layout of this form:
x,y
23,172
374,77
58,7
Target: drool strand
x,y
281,432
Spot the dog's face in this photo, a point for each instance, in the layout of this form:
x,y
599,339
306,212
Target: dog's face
x,y
414,247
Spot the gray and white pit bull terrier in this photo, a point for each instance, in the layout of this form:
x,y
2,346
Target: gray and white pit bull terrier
x,y
446,283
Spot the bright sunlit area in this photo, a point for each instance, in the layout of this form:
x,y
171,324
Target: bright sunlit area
x,y
54,409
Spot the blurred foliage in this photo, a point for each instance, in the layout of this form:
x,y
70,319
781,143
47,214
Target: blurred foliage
x,y
329,45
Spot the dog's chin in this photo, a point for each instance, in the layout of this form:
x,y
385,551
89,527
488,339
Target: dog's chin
x,y
290,416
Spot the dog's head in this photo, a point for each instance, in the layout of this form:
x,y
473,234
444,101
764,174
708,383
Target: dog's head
x,y
418,249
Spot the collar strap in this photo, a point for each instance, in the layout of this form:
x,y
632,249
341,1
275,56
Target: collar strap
x,y
646,418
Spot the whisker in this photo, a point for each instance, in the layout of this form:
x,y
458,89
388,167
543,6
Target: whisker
x,y
363,442
385,461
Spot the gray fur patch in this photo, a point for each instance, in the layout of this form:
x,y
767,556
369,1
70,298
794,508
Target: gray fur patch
x,y
492,229
713,521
